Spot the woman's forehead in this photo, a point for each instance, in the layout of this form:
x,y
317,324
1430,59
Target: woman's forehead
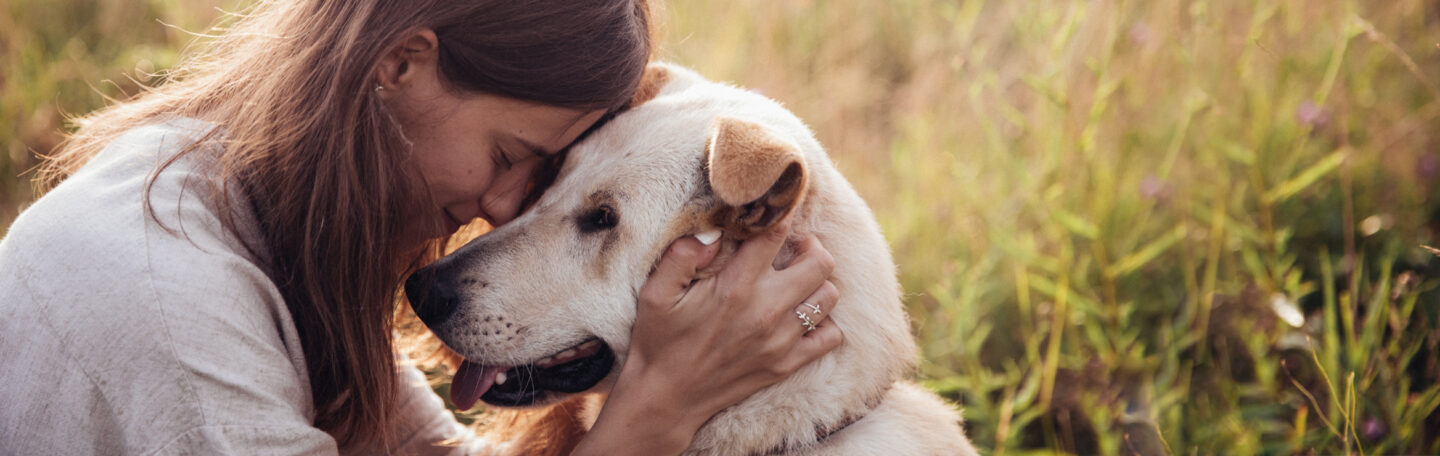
x,y
546,130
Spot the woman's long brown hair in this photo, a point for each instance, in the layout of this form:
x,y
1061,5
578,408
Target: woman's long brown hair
x,y
327,172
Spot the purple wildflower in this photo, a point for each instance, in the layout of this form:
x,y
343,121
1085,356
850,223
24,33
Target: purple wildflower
x,y
1312,115
1154,188
1141,34
1427,166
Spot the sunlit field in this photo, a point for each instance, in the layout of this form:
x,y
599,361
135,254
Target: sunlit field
x,y
1164,226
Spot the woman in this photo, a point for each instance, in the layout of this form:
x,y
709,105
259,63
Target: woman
x,y
217,272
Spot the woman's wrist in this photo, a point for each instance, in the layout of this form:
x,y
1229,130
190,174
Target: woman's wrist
x,y
642,416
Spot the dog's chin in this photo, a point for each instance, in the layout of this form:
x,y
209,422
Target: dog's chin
x,y
540,383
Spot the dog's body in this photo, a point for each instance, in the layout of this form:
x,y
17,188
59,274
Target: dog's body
x,y
538,291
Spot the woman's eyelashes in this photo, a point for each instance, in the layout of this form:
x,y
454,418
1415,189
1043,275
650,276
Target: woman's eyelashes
x,y
503,158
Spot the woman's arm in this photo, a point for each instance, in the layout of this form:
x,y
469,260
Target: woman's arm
x,y
700,347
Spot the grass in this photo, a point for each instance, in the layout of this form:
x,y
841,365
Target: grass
x,y
63,58
1190,227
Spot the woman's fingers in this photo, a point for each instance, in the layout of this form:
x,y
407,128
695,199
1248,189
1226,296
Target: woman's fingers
x,y
816,308
785,290
811,347
756,254
672,275
811,265
714,342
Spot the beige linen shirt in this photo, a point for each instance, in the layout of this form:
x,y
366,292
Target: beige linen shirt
x,y
120,337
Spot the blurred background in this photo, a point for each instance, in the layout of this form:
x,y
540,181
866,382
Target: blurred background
x,y
1163,226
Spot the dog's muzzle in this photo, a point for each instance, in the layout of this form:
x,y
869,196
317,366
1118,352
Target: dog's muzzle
x,y
435,291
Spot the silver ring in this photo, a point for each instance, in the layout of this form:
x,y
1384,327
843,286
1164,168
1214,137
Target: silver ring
x,y
805,320
814,309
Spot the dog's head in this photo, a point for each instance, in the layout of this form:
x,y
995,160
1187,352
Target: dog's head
x,y
542,307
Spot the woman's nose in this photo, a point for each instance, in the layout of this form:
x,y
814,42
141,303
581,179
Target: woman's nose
x,y
507,194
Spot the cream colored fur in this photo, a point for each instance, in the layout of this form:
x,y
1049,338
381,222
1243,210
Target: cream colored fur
x,y
556,286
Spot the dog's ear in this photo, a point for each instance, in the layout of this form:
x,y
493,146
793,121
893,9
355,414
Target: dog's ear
x,y
654,79
758,176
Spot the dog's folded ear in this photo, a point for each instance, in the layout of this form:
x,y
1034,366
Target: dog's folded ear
x,y
651,82
662,78
757,175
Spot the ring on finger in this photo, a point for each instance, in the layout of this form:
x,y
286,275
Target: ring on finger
x,y
805,320
814,309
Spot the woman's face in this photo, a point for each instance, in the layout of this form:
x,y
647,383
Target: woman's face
x,y
479,152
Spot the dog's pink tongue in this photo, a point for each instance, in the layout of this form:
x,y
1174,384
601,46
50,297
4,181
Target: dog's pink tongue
x,y
470,382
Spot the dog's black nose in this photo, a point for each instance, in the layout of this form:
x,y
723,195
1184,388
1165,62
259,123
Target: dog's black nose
x,y
434,299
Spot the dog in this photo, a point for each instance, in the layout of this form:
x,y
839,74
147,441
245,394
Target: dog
x,y
542,307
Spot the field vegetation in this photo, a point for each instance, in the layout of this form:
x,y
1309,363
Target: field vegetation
x,y
1188,227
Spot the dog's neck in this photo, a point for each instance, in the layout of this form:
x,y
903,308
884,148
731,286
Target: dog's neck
x,y
825,430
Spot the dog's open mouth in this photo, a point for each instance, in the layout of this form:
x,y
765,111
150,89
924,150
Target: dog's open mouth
x,y
572,370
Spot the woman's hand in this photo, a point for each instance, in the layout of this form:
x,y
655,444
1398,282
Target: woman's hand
x,y
700,347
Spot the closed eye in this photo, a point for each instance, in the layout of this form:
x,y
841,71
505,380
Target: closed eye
x,y
503,158
598,219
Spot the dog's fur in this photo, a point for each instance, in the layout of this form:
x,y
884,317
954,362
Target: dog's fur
x,y
692,156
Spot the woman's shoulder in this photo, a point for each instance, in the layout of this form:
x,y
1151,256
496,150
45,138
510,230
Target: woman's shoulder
x,y
121,205
158,310
134,226
93,243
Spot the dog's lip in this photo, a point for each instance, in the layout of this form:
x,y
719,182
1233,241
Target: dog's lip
x,y
589,363
584,349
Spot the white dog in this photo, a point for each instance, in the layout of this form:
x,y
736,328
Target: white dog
x,y
542,307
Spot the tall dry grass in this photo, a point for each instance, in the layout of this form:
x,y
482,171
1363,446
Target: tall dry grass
x,y
1148,226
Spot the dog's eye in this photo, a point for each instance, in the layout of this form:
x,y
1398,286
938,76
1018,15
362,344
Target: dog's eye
x,y
601,218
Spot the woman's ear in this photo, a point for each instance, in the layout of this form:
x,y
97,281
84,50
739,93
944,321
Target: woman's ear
x,y
406,60
758,176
